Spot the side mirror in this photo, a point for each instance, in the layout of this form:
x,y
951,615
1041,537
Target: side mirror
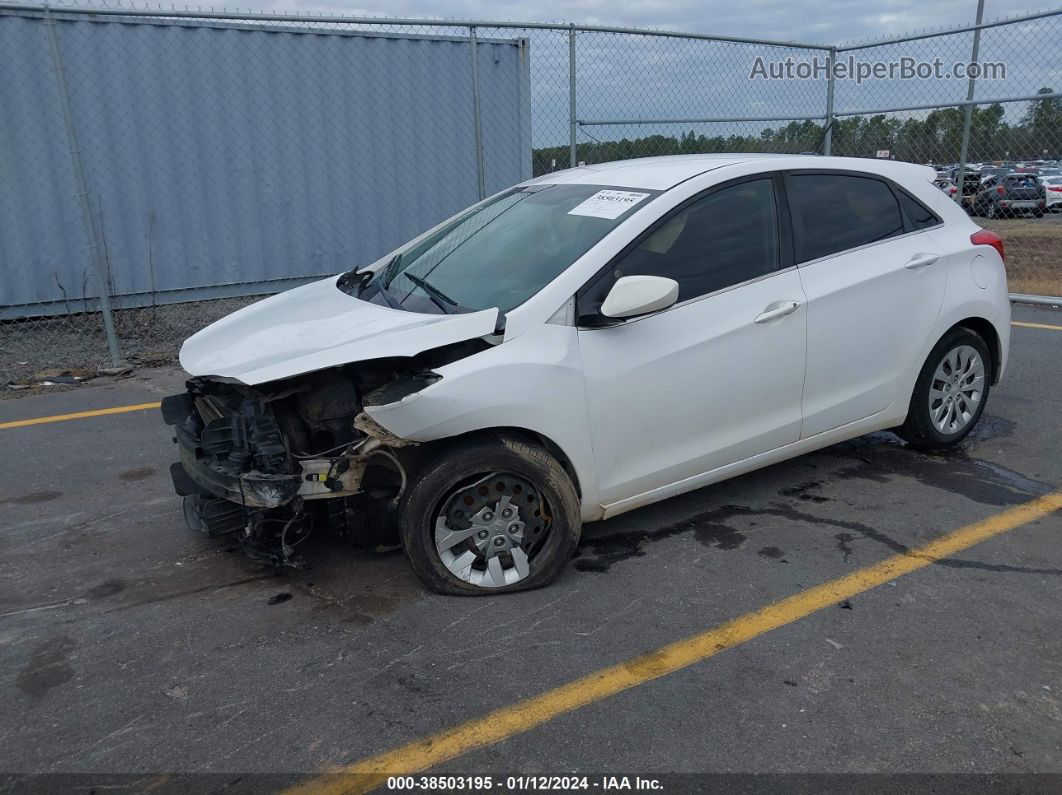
x,y
638,295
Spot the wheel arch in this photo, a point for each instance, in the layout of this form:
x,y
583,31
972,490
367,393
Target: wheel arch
x,y
986,331
510,432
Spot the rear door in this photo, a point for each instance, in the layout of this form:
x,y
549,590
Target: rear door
x,y
869,267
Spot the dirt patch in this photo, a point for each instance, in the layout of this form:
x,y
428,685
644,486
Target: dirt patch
x,y
49,667
1034,252
33,498
140,473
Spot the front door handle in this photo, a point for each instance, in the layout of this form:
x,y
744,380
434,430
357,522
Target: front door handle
x,y
776,310
921,261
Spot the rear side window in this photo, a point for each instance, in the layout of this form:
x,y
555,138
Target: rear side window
x,y
920,216
836,212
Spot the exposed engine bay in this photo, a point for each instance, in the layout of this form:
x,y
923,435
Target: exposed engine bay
x,y
279,461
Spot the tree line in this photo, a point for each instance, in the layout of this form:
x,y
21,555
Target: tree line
x,y
936,138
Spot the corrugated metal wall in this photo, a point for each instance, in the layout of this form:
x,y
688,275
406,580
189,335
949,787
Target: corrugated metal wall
x,y
219,155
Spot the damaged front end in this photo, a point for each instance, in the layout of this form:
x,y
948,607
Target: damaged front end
x,y
276,461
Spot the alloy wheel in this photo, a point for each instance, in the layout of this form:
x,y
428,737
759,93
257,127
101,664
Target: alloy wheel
x,y
956,389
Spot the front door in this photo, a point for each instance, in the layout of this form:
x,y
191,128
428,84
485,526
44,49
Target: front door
x,y
714,379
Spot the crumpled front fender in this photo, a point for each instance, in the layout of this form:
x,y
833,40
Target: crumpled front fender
x,y
534,383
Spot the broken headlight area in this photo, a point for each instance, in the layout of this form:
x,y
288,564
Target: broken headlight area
x,y
278,461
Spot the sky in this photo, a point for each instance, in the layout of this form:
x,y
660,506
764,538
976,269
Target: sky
x,y
633,86
815,21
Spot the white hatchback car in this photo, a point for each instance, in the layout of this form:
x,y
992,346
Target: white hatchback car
x,y
586,343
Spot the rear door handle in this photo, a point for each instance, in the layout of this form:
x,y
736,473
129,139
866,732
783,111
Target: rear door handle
x,y
776,310
921,261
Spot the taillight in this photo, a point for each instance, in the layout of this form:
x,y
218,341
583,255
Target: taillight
x,y
1001,190
1056,188
984,237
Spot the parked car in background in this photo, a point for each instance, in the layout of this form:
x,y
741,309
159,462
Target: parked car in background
x,y
946,185
994,171
586,343
1053,192
1011,194
971,184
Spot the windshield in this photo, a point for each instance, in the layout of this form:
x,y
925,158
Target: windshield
x,y
503,252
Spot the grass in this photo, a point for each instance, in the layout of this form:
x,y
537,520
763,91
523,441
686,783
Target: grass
x,y
1034,252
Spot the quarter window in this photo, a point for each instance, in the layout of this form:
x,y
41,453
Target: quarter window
x,y
722,239
920,216
838,212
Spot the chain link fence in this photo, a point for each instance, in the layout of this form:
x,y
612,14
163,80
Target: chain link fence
x,y
163,168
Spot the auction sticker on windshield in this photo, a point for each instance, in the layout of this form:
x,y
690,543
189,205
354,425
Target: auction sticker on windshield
x,y
608,204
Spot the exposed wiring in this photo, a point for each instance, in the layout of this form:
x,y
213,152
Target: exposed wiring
x,y
398,465
323,454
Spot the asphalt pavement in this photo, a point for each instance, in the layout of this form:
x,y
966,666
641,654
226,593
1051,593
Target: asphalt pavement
x,y
131,645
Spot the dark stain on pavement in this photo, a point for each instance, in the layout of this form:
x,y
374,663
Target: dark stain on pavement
x,y
365,608
709,528
105,589
844,544
806,492
48,667
774,553
990,427
140,473
881,458
34,497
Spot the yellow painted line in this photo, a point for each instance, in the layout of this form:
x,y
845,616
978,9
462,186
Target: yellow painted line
x,y
79,415
1047,326
434,749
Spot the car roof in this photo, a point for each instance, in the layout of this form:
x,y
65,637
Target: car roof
x,y
662,173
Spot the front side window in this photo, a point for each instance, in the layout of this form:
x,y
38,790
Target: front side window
x,y
503,252
722,239
837,212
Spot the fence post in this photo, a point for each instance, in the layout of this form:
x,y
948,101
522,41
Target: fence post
x,y
480,180
967,120
572,157
827,140
95,249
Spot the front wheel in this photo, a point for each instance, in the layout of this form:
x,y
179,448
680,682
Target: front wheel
x,y
490,516
950,393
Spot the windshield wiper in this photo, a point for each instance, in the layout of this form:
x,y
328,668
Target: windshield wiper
x,y
437,296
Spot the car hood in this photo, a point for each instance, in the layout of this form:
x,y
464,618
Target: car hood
x,y
317,326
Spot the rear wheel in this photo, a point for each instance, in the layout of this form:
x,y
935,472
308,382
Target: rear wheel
x,y
950,393
490,516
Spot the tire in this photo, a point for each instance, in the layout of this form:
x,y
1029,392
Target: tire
x,y
450,481
993,211
920,429
1038,213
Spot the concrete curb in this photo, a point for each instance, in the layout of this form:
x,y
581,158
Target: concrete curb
x,y
1040,300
